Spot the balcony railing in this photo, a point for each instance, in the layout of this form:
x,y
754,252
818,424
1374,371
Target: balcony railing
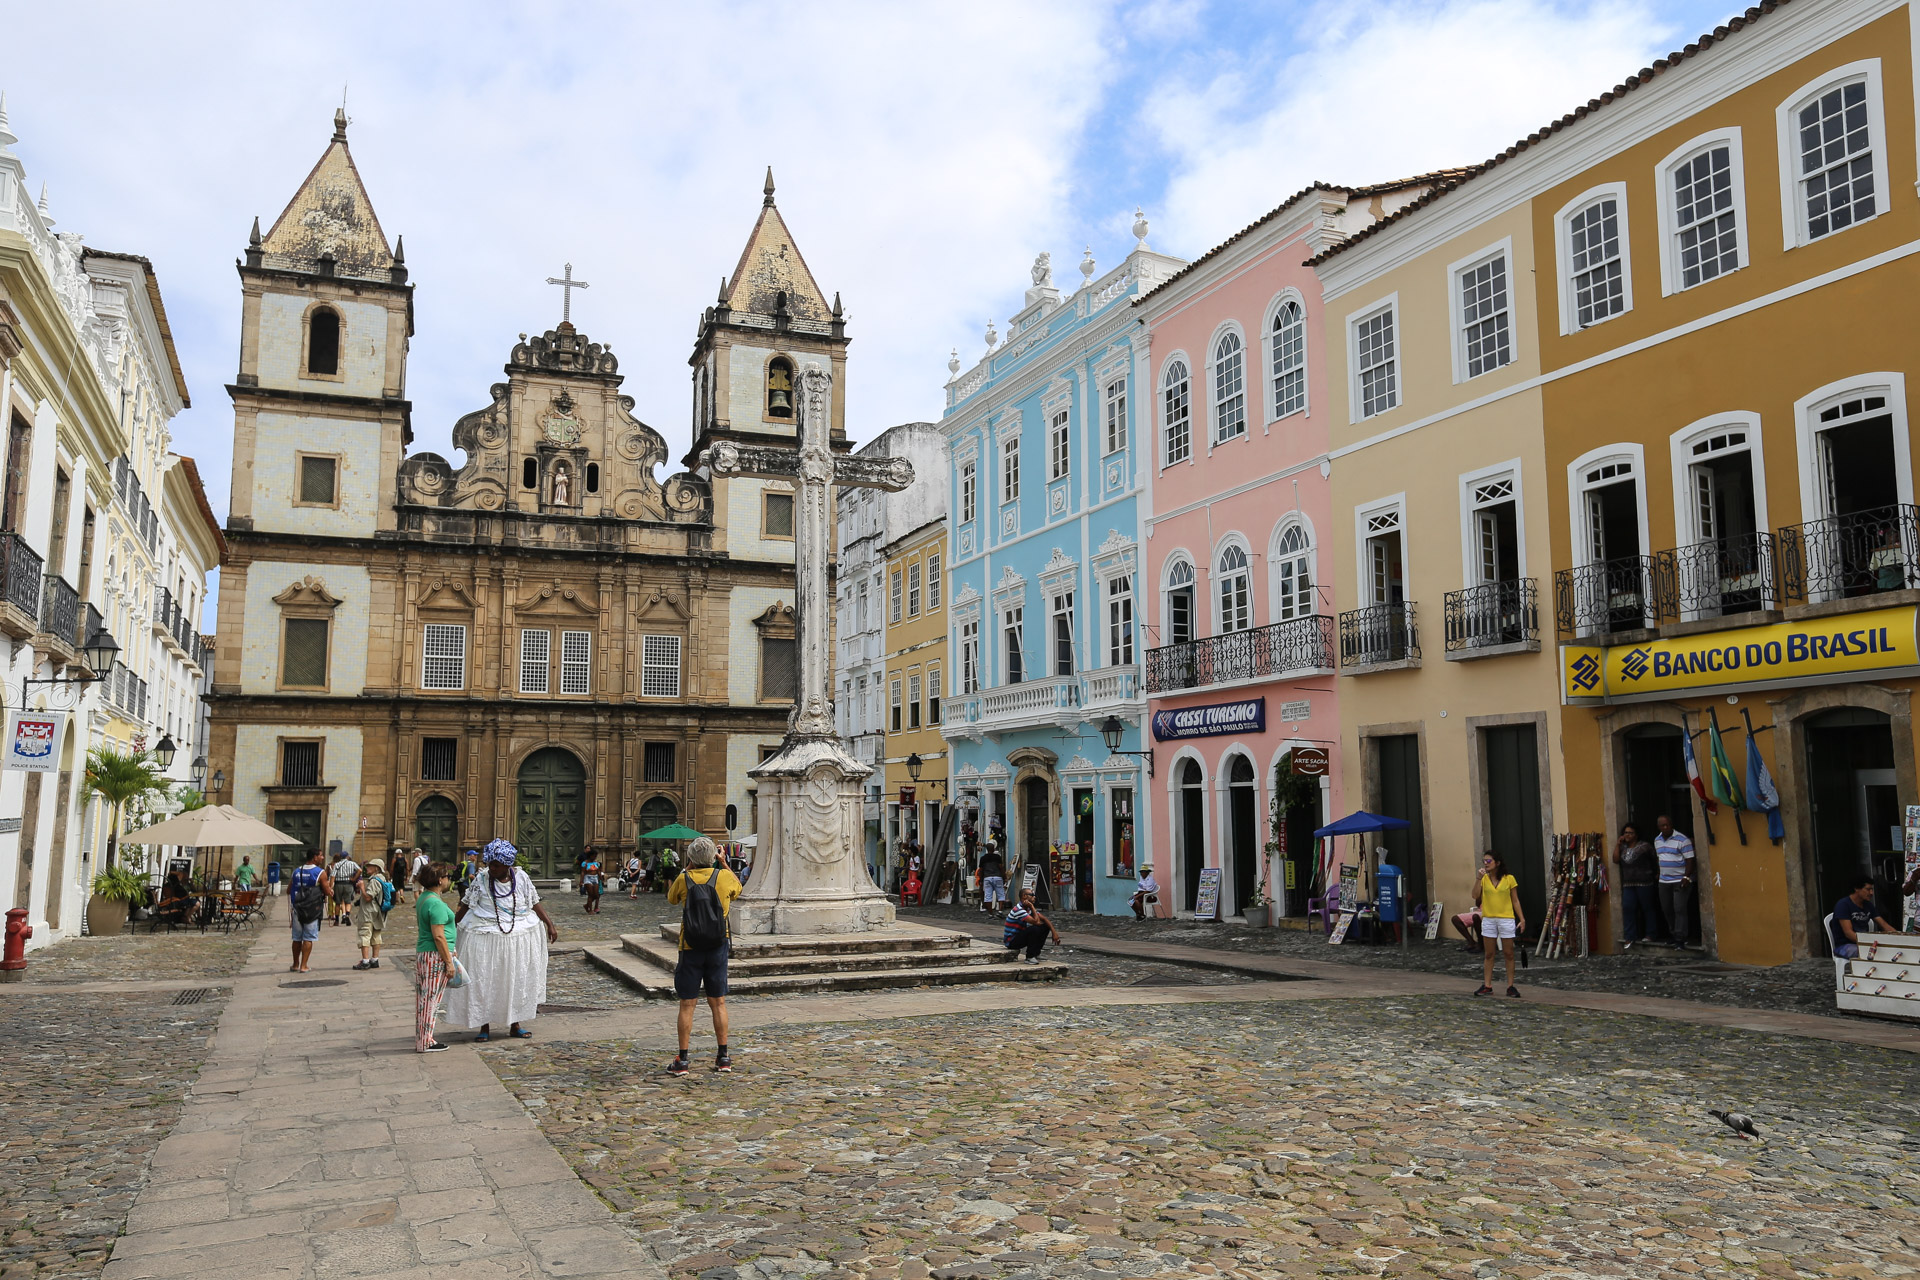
x,y
1859,554
1300,645
1492,615
1379,633
1052,694
1111,685
1615,595
60,612
19,574
1724,576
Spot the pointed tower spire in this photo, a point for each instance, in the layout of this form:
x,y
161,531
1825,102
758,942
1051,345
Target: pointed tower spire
x,y
331,218
253,239
398,271
768,189
45,216
340,123
722,299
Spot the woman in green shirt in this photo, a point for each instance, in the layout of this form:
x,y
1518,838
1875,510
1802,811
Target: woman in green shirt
x,y
432,958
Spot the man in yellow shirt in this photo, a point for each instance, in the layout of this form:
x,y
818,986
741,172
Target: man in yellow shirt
x,y
704,893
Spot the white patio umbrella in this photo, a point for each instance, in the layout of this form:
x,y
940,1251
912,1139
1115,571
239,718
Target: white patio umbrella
x,y
213,826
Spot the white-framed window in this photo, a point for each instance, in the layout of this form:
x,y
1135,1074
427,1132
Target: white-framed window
x,y
969,489
1059,450
1229,388
934,694
1383,573
1609,503
1120,621
1010,469
913,702
1492,547
576,661
1175,412
861,614
1833,153
1010,623
443,656
1293,574
659,666
1701,189
1116,415
1853,447
1063,634
933,582
893,695
1596,275
913,590
970,656
1180,610
1482,314
1375,360
1234,587
535,660
893,615
1287,337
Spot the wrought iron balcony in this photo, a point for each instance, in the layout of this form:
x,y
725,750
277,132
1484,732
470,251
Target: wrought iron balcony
x,y
1379,633
1299,646
1615,595
1860,554
1493,615
1725,576
19,586
60,614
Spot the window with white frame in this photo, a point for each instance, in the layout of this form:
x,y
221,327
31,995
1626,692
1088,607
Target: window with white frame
x,y
893,615
1596,262
1835,175
1059,441
1486,338
1385,565
933,695
576,661
893,694
1174,414
969,489
1180,602
1010,470
1289,340
1293,571
861,614
1116,415
1235,587
1120,621
1229,389
659,666
1016,652
1063,634
443,656
913,590
913,702
1496,530
1376,370
970,656
933,582
1706,221
535,660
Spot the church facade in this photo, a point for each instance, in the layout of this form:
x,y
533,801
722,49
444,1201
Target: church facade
x,y
548,642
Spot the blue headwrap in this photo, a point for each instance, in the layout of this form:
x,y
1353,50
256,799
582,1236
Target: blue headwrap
x,y
498,850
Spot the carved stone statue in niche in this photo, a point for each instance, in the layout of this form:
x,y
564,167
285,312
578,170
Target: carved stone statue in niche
x,y
562,486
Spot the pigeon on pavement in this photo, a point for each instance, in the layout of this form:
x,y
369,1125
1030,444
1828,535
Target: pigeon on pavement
x,y
1738,1122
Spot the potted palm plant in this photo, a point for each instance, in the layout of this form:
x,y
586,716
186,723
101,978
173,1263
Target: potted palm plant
x,y
116,891
120,778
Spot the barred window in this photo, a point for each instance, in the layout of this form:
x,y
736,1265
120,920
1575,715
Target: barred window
x,y
303,656
535,657
659,666
300,764
576,661
437,759
659,762
443,656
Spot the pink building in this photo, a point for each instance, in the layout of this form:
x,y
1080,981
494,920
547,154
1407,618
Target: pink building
x,y
1241,660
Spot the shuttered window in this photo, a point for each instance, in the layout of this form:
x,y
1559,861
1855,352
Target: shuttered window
x,y
535,656
660,666
576,661
443,656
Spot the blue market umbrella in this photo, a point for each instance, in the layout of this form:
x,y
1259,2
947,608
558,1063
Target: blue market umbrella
x,y
1360,822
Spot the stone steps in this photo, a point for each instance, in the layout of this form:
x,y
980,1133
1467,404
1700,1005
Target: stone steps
x,y
761,962
654,981
896,938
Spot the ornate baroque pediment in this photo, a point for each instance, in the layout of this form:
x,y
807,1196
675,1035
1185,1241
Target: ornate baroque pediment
x,y
1059,572
309,591
556,598
1116,555
663,601
445,593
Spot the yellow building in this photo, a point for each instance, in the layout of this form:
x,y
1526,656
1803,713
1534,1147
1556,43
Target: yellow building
x,y
916,673
1708,313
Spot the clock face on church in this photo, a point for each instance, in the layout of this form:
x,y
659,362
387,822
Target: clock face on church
x,y
559,422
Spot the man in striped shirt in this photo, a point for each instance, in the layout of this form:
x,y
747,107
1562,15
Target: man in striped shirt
x,y
1675,852
1027,929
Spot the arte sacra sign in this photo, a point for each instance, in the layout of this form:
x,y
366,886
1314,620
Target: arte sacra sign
x,y
1248,716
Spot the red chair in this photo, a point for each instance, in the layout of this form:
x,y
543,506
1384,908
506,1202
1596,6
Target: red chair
x,y
910,889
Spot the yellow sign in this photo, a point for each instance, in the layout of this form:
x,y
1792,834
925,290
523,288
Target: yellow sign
x,y
1854,644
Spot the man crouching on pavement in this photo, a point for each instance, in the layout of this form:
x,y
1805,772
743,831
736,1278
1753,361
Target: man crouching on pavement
x,y
1028,929
704,893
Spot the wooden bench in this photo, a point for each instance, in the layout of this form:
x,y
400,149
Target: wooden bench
x,y
1883,979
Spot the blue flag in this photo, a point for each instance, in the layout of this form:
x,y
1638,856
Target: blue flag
x,y
1761,793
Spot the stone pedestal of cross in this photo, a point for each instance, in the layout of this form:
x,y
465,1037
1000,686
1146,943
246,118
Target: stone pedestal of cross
x,y
811,877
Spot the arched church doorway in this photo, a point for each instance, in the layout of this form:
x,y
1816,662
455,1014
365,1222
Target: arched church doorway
x,y
550,814
1193,831
436,828
1242,819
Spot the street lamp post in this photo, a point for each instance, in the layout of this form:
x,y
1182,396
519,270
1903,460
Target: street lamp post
x,y
1111,732
99,652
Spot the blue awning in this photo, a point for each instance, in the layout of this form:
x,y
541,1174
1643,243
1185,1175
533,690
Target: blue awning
x,y
1360,821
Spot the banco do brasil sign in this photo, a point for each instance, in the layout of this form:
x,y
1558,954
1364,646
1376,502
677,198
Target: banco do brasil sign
x,y
1249,716
1807,650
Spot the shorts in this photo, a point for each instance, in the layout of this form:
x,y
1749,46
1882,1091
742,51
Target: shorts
x,y
697,969
995,887
1846,950
369,929
345,894
1496,927
308,932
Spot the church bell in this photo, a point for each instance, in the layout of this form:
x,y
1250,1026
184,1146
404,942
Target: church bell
x,y
779,403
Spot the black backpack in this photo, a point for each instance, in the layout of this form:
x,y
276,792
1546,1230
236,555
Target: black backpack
x,y
703,925
309,901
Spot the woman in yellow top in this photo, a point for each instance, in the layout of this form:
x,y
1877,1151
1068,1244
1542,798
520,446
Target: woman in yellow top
x,y
1502,918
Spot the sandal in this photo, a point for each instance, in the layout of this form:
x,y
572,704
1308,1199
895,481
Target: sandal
x,y
521,1034
483,1037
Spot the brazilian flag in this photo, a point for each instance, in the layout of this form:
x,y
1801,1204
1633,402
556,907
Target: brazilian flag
x,y
1724,785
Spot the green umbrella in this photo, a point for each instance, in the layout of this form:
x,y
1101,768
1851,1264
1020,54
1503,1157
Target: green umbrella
x,y
674,831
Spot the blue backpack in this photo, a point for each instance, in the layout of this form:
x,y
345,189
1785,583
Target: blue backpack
x,y
386,895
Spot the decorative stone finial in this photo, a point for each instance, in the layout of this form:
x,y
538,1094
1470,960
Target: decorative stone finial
x,y
1087,267
837,313
953,362
45,216
340,124
7,137
768,189
253,237
993,336
399,247
723,291
1139,227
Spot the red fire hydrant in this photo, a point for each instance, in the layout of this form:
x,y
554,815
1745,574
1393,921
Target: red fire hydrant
x,y
14,967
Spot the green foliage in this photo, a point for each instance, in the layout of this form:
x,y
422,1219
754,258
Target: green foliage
x,y
117,884
120,778
190,799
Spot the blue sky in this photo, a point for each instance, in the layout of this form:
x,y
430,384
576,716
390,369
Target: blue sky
x,y
924,153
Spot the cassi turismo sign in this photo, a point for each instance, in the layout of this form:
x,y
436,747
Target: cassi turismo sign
x,y
1811,650
1248,716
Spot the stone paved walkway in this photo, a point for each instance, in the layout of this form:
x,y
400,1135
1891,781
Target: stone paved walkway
x,y
316,1144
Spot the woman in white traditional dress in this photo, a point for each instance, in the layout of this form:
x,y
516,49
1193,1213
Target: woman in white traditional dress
x,y
504,932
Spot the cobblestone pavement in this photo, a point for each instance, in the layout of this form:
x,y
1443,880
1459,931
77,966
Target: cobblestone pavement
x,y
92,1084
1458,1138
144,956
1805,986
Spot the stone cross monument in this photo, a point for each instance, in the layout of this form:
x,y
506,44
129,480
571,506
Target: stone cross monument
x,y
810,876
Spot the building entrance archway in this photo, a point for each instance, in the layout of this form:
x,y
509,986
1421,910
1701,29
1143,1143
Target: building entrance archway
x,y
1192,832
550,812
1243,823
436,828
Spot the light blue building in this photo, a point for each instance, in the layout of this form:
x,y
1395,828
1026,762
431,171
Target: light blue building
x,y
1049,437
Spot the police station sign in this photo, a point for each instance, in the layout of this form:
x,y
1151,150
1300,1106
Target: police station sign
x,y
1211,720
33,740
1807,651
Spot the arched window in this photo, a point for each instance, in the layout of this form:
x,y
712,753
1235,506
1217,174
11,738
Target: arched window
x,y
1236,596
529,474
1293,561
1289,359
780,388
593,477
1175,412
323,342
1229,389
1180,603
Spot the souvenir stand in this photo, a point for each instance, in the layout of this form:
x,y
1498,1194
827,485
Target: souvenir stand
x,y
1364,891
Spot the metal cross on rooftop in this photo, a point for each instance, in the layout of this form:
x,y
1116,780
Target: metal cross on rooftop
x,y
568,284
